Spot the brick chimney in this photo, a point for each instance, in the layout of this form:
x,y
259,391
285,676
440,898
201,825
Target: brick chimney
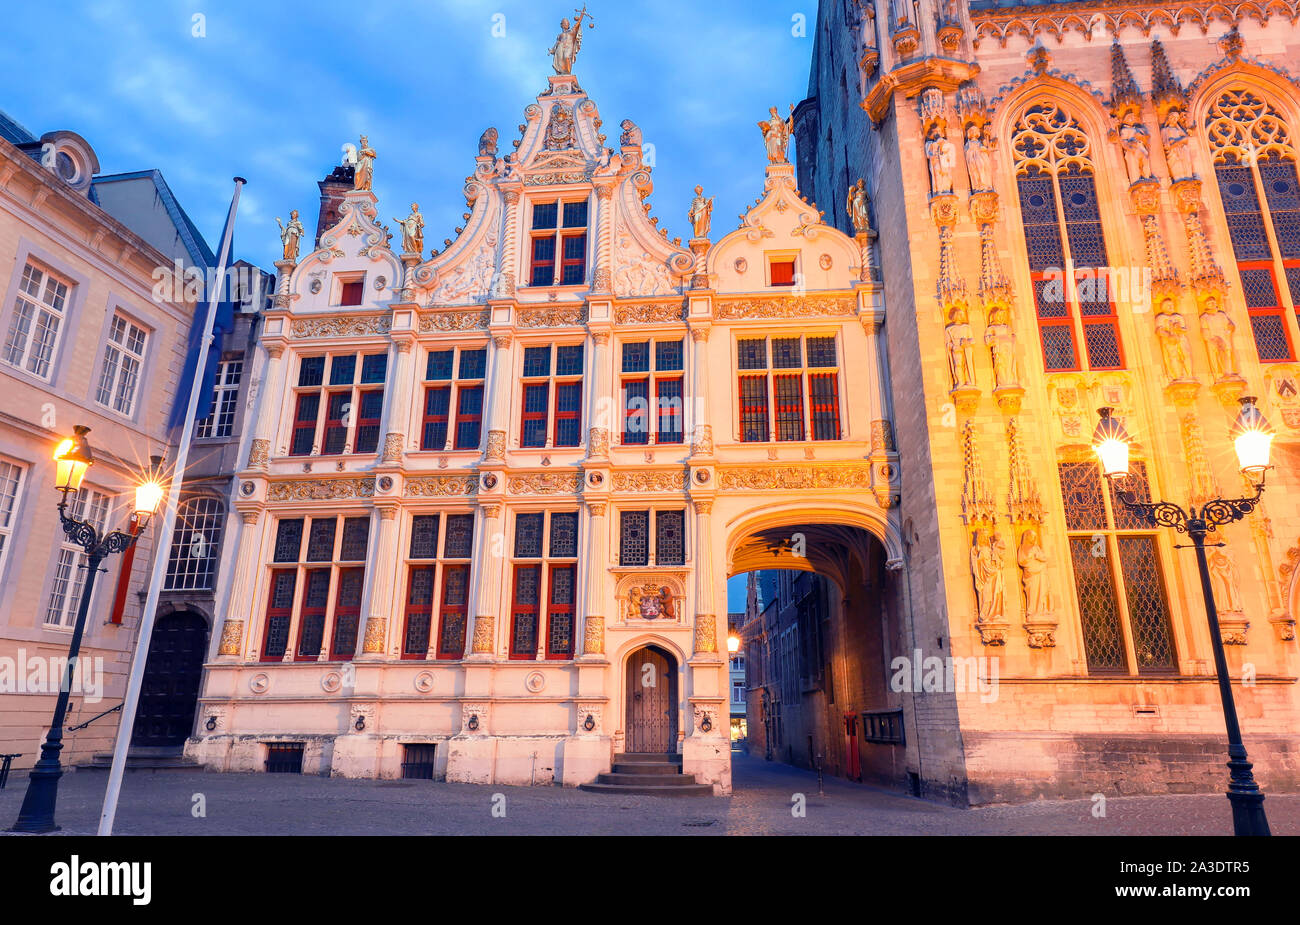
x,y
332,189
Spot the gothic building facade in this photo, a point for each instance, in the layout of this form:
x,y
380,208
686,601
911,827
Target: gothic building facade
x,y
1081,205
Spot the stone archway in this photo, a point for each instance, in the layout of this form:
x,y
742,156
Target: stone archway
x,y
818,650
170,690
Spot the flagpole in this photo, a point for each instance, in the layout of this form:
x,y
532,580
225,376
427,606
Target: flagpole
x,y
162,549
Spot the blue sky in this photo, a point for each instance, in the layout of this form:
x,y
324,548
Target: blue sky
x,y
272,91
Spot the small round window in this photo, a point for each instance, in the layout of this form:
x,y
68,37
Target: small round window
x,y
66,166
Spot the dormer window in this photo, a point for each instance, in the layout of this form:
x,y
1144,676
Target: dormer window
x,y
559,229
350,289
782,271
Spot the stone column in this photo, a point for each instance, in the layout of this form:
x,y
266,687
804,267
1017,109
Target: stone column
x,y
259,451
593,620
706,624
498,399
381,568
600,403
700,428
602,279
884,451
242,591
487,586
398,396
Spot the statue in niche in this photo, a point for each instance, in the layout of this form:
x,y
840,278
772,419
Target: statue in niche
x,y
412,230
986,565
902,13
1001,342
487,143
1033,575
1135,142
857,207
979,162
290,235
1218,328
1175,351
700,213
961,349
776,135
1178,144
365,172
568,43
1223,576
942,155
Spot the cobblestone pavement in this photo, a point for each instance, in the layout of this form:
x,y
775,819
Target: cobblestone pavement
x,y
260,804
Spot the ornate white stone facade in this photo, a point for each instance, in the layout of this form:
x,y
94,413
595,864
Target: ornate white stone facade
x,y
498,714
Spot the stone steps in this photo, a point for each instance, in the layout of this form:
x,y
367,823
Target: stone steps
x,y
648,774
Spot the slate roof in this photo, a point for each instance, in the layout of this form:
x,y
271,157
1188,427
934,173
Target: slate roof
x,y
195,245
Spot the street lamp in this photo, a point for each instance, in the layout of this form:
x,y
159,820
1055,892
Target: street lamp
x,y
72,458
733,643
1252,436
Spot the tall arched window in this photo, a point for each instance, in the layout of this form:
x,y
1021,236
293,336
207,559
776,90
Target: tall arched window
x,y
1252,151
1063,237
195,543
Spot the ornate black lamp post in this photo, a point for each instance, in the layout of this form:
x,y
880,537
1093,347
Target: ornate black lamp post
x,y
72,458
1252,436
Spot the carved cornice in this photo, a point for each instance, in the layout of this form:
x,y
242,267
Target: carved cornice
x,y
787,307
648,480
474,319
341,326
552,317
767,478
438,486
545,483
650,313
1098,20
320,489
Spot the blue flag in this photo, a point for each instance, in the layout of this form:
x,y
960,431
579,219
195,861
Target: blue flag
x,y
223,324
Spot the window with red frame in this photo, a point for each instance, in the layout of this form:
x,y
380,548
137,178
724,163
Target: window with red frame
x,y
558,228
334,546
782,271
652,392
455,378
437,586
347,614
351,291
543,585
279,614
802,390
542,379
331,411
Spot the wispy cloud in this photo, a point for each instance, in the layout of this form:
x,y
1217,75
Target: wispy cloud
x,y
273,94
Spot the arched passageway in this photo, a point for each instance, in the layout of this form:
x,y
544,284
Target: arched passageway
x,y
822,620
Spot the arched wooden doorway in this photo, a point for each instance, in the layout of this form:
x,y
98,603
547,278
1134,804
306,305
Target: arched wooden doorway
x,y
170,692
651,701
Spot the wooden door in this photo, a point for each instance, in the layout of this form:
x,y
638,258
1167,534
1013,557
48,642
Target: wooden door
x,y
170,690
651,701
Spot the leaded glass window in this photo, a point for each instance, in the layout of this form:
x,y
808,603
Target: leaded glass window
x,y
288,540
424,536
634,538
1251,147
1118,580
670,537
1064,241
